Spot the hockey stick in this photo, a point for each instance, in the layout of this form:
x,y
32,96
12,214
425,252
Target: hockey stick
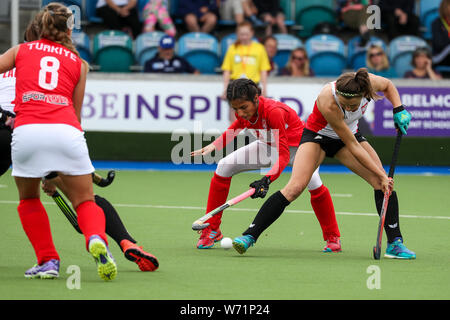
x,y
200,224
66,210
103,182
377,247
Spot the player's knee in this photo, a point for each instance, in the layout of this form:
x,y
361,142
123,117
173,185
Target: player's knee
x,y
224,168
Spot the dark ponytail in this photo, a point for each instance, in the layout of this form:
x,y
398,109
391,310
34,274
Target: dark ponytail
x,y
356,84
243,89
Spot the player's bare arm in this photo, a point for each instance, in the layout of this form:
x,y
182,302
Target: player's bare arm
x,y
7,60
78,93
388,89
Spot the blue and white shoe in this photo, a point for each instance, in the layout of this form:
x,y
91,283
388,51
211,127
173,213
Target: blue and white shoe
x,y
47,270
397,250
106,266
241,244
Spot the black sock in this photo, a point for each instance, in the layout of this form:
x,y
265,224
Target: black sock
x,y
392,223
114,226
269,212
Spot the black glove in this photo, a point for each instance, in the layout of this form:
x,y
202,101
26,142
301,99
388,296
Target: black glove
x,y
261,187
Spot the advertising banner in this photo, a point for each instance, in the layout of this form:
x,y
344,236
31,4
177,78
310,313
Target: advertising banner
x,y
429,108
162,106
167,106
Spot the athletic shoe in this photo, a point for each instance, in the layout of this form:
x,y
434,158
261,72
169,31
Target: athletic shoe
x,y
135,253
208,238
333,244
241,244
397,250
47,270
106,266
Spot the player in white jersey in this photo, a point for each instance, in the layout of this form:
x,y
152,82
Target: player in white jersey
x,y
332,131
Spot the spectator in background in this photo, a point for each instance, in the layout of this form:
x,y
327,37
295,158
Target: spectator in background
x,y
199,15
165,61
271,45
297,65
271,13
120,15
245,59
440,40
354,15
421,61
377,62
399,18
155,11
231,10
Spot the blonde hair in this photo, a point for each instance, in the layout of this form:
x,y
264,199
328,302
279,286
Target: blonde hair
x,y
305,69
356,84
385,61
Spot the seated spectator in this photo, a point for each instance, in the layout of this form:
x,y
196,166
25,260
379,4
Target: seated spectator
x,y
165,61
441,37
271,13
120,15
377,62
155,11
297,65
421,61
271,44
199,15
399,18
231,10
353,14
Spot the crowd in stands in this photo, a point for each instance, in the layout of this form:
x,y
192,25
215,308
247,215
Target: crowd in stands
x,y
254,58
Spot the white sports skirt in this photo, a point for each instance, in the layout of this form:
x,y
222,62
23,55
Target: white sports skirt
x,y
38,149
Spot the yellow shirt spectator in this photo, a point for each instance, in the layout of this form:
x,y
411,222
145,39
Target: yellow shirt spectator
x,y
246,61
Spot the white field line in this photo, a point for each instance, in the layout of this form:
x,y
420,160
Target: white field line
x,y
152,206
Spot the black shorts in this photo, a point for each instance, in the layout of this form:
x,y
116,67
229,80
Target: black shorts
x,y
329,145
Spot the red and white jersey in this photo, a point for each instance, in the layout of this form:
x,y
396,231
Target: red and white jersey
x,y
316,121
46,75
275,122
7,89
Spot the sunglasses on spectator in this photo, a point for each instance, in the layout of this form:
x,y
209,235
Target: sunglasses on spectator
x,y
376,54
298,58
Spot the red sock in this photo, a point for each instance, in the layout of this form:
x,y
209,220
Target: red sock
x,y
37,228
91,220
324,210
218,193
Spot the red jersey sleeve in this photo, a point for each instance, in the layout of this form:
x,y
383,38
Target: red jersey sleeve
x,y
229,134
277,123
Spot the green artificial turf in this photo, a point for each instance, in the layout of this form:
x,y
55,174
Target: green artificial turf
x,y
158,208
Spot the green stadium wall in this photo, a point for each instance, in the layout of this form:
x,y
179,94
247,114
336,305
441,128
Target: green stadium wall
x,y
118,146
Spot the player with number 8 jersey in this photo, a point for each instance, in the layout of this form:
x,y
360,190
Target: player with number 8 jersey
x,y
47,73
47,137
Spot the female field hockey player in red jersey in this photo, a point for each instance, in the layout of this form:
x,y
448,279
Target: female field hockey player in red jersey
x,y
279,122
332,131
47,136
